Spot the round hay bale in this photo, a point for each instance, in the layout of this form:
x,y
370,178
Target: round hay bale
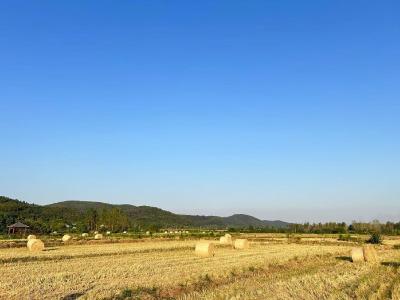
x,y
66,238
227,235
223,240
35,245
85,234
98,236
147,232
31,237
204,249
241,244
357,255
370,254
108,232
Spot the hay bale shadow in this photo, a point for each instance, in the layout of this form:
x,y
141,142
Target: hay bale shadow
x,y
345,258
394,264
73,296
51,249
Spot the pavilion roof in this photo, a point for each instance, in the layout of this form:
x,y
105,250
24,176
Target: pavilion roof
x,y
18,225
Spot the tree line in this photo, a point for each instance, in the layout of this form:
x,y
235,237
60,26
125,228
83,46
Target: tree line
x,y
389,228
47,219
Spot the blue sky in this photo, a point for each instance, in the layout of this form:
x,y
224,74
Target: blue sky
x,y
280,109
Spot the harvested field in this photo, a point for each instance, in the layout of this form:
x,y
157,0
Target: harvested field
x,y
171,270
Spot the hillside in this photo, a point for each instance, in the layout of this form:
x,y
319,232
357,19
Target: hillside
x,y
143,215
39,218
57,216
148,214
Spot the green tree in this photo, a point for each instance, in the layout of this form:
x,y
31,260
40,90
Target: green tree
x,y
92,218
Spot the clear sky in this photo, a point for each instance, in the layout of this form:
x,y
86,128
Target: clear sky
x,y
280,109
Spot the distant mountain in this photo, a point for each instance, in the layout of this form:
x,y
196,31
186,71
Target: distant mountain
x,y
142,215
55,216
276,223
238,220
152,215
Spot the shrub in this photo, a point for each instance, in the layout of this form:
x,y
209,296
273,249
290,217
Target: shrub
x,y
344,237
375,238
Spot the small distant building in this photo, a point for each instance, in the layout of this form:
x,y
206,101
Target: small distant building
x,y
17,228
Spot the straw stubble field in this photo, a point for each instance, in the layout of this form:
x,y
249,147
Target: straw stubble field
x,y
170,270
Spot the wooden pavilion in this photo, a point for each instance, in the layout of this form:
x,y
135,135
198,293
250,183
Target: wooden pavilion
x,y
17,228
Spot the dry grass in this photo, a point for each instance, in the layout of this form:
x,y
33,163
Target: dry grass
x,y
319,277
170,269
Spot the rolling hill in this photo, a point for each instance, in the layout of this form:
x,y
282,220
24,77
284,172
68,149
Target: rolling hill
x,y
56,215
148,214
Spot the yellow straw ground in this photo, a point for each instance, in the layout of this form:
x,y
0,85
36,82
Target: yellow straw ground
x,y
156,270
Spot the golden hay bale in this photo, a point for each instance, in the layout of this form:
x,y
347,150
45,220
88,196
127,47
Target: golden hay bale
x,y
66,238
241,244
31,237
35,245
370,254
357,255
228,238
85,234
98,236
223,240
204,249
